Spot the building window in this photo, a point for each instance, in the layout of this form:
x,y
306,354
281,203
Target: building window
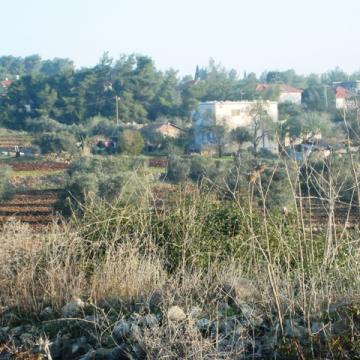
x,y
235,112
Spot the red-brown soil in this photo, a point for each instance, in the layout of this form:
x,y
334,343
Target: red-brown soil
x,y
39,166
34,207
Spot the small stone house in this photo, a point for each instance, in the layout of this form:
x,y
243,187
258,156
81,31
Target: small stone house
x,y
167,130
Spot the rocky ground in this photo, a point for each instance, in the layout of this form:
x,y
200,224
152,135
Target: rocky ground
x,y
152,330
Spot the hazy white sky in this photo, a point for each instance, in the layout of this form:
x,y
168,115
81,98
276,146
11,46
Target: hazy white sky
x,y
251,35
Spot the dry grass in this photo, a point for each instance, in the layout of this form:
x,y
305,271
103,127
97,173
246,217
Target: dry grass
x,y
187,253
127,274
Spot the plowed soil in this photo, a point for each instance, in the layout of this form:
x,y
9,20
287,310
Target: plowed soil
x,y
39,166
35,207
10,141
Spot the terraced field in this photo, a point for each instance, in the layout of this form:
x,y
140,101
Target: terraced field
x,y
39,166
12,141
34,207
318,211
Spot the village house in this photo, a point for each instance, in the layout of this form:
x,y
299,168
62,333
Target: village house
x,y
287,93
4,86
352,86
166,130
347,94
231,114
155,134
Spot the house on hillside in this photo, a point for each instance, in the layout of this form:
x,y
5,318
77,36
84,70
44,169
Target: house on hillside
x,y
166,130
347,94
287,93
231,114
352,86
156,135
4,86
342,97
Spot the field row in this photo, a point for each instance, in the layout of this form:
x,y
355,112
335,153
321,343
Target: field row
x,y
35,207
39,166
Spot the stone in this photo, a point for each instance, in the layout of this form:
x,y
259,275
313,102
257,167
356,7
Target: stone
x,y
230,326
121,330
155,300
47,314
341,327
27,340
224,307
103,354
149,321
176,314
249,314
316,327
240,290
246,310
80,347
203,324
195,312
91,355
139,352
294,330
17,331
3,334
72,308
135,332
121,352
11,319
55,347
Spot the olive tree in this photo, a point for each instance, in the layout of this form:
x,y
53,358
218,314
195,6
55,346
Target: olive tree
x,y
131,142
262,127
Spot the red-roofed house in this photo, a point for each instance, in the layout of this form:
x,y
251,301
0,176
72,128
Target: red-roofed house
x,y
287,93
5,84
344,98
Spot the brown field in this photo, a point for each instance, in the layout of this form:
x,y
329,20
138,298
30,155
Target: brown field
x,y
318,211
10,141
39,166
160,162
35,207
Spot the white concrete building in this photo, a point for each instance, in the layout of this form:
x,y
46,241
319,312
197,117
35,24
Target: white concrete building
x,y
287,93
231,114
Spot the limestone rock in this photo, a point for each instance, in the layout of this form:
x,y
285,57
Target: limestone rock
x,y
121,330
240,290
203,324
176,314
72,308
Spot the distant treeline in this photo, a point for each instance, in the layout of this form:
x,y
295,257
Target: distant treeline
x,y
56,89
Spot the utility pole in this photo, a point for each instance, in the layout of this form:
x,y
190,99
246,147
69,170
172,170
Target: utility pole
x,y
117,98
326,96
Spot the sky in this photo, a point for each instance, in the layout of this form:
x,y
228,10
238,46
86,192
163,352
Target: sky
x,y
252,35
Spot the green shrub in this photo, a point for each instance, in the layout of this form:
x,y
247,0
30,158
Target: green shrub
x,y
177,169
99,125
198,168
44,124
57,142
131,142
5,186
110,187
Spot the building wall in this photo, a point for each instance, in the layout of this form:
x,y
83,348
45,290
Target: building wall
x,y
347,103
231,114
169,131
294,98
340,103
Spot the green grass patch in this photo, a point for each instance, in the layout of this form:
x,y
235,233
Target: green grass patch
x,y
35,173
